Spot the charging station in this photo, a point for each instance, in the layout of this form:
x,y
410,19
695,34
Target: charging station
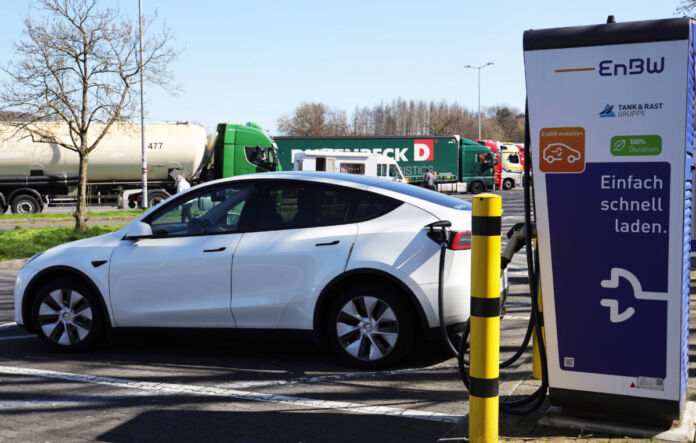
x,y
611,122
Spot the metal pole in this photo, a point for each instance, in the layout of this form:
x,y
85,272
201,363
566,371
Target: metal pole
x,y
479,103
143,200
485,318
478,68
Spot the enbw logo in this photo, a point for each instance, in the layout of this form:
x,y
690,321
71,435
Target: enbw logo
x,y
635,66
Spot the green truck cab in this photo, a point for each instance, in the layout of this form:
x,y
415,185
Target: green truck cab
x,y
242,149
477,164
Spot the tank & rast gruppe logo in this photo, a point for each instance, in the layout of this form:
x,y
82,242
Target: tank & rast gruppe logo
x,y
629,109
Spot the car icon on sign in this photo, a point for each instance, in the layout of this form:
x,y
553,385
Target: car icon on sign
x,y
559,152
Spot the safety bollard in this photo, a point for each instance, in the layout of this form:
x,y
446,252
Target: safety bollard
x,y
485,318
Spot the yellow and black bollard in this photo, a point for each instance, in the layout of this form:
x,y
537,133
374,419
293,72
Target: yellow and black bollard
x,y
485,318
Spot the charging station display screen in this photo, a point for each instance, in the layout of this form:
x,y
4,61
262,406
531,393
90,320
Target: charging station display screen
x,y
611,117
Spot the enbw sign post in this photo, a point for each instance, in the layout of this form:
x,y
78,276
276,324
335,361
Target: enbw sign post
x,y
611,116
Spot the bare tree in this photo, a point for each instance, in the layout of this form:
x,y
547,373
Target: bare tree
x,y
78,67
314,119
686,7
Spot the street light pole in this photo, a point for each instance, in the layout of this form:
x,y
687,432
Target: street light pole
x,y
143,198
479,91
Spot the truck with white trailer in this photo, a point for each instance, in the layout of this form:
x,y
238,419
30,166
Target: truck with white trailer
x,y
34,174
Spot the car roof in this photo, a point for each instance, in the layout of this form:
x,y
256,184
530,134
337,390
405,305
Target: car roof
x,y
402,191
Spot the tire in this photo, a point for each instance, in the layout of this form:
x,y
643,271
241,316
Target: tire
x,y
25,204
370,326
476,187
61,314
154,198
508,184
3,208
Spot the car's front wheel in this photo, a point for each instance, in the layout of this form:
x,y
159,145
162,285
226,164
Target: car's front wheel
x,y
370,326
67,315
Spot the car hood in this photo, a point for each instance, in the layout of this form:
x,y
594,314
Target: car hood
x,y
79,252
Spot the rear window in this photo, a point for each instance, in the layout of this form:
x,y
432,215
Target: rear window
x,y
368,205
424,194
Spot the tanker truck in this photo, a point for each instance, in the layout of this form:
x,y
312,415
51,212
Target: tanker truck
x,y
34,175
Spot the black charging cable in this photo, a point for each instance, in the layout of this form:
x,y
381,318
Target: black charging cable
x,y
533,401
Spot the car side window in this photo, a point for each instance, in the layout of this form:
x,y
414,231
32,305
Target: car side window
x,y
289,205
368,205
209,211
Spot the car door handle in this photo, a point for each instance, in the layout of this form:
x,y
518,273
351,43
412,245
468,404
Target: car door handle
x,y
335,242
214,250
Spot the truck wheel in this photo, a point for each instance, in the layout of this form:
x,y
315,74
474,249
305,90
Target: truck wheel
x,y
370,326
508,184
25,204
476,187
154,198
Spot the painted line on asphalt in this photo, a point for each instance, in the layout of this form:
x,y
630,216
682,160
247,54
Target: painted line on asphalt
x,y
235,394
516,317
8,325
332,377
17,337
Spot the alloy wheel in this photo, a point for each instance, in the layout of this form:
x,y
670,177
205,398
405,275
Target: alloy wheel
x,y
367,328
65,316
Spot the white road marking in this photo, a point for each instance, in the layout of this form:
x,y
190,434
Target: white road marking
x,y
516,317
235,394
332,377
17,337
8,325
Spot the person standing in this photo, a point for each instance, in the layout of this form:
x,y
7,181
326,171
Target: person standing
x,y
429,180
181,186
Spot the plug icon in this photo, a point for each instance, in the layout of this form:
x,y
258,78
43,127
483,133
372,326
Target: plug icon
x,y
613,304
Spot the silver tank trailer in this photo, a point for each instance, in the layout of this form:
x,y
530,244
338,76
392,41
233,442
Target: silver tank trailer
x,y
117,158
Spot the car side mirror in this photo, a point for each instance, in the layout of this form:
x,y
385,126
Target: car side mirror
x,y
138,230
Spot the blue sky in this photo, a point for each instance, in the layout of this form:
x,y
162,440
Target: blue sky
x,y
255,61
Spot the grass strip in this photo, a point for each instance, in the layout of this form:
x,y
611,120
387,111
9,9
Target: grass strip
x,y
25,242
68,215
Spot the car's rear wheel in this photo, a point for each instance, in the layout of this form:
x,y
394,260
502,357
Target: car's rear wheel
x,y
508,184
67,315
370,326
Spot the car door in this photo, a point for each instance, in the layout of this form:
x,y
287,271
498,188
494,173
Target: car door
x,y
300,241
181,276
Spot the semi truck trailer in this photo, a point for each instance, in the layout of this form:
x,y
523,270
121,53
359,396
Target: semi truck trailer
x,y
460,164
34,175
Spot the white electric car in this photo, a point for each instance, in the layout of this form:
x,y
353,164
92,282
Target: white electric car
x,y
347,257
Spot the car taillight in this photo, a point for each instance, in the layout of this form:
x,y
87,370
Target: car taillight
x,y
460,240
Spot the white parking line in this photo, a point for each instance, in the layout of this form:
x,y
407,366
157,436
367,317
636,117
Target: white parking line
x,y
332,377
235,394
17,337
516,317
8,325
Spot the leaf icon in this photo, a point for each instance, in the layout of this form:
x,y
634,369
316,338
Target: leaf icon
x,y
619,145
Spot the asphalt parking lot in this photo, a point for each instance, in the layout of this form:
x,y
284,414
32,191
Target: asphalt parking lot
x,y
240,387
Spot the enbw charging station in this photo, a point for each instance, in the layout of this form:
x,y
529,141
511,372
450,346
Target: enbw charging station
x,y
611,123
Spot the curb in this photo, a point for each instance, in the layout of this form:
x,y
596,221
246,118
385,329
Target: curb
x,y
13,264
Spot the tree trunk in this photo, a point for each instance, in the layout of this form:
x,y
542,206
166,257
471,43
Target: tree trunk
x,y
81,209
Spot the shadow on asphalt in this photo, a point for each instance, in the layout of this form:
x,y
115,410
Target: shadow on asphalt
x,y
282,356
277,426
